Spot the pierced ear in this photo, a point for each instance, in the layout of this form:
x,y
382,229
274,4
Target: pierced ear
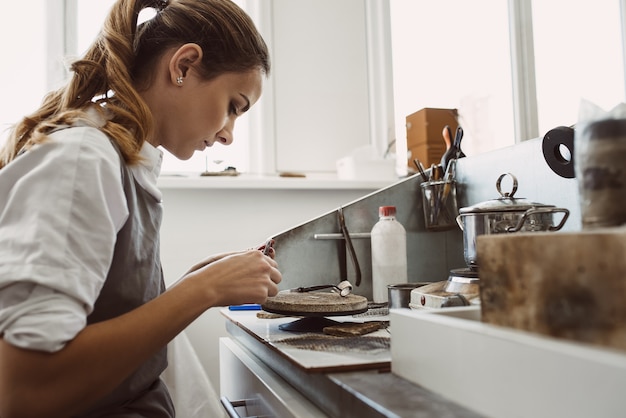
x,y
185,57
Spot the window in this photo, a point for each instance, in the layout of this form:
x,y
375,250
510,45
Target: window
x,y
578,55
23,73
456,54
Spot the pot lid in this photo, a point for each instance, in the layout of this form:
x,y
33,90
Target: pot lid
x,y
505,203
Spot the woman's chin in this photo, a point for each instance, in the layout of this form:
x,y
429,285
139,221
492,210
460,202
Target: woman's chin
x,y
184,156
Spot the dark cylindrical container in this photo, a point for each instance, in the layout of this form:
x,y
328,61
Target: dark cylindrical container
x,y
600,156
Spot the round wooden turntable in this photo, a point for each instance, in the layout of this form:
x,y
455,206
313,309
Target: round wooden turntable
x,y
314,307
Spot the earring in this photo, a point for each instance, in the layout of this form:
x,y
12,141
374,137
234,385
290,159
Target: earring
x,y
179,80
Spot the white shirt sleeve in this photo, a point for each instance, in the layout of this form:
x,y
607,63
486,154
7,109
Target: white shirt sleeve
x,y
63,206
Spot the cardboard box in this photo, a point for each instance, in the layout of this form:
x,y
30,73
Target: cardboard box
x,y
427,154
423,134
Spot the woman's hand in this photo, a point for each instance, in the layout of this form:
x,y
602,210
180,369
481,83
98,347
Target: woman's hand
x,y
209,260
237,278
248,277
215,257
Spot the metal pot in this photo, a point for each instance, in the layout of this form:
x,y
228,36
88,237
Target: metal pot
x,y
505,214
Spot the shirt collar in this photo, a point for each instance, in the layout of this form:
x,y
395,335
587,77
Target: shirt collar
x,y
147,171
151,158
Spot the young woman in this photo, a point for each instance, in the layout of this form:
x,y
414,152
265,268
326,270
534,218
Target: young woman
x,y
84,316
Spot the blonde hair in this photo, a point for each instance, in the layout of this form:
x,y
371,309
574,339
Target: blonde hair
x,y
121,60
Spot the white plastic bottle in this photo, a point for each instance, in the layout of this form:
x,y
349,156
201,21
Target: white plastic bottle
x,y
388,253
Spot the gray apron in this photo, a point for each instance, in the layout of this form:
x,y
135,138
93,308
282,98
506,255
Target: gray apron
x,y
135,277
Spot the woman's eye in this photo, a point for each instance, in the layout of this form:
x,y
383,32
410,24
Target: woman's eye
x,y
233,109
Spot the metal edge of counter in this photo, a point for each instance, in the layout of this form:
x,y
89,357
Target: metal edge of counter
x,y
347,394
325,393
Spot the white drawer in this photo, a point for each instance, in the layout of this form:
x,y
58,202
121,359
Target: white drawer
x,y
253,389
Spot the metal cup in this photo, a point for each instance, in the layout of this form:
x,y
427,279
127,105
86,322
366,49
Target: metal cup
x,y
400,294
440,207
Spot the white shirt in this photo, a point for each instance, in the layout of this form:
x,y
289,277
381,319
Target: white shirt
x,y
61,206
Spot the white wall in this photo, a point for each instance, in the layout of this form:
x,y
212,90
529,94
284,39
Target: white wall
x,y
198,222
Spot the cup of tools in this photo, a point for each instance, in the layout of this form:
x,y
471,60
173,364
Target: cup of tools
x,y
439,199
440,207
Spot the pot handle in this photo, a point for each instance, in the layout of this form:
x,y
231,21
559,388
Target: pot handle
x,y
565,216
458,221
533,211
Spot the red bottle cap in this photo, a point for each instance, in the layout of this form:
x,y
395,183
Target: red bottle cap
x,y
387,211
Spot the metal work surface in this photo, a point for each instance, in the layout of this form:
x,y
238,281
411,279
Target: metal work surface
x,y
353,394
315,252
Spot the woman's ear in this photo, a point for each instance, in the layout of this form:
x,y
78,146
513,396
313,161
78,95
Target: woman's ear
x,y
185,57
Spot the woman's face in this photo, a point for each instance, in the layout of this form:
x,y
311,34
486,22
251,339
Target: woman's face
x,y
199,113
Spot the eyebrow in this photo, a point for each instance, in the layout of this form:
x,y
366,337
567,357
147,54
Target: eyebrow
x,y
247,106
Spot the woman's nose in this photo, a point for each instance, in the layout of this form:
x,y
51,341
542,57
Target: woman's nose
x,y
226,135
224,140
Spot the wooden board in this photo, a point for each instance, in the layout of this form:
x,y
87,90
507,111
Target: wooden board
x,y
352,329
565,285
315,304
